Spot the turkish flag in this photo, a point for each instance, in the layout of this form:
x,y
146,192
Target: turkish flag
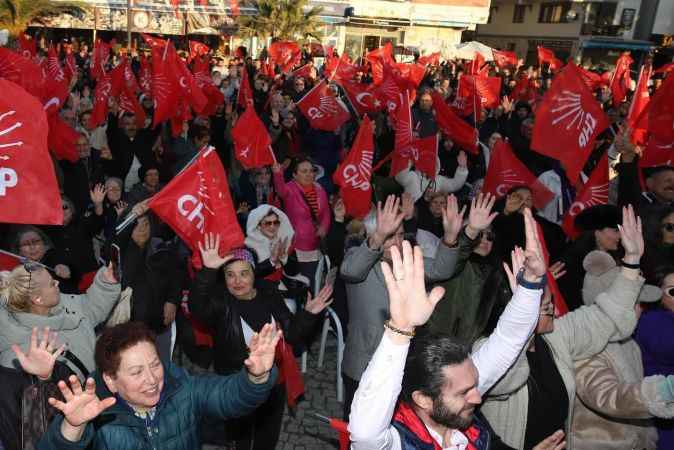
x,y
198,49
188,85
27,46
101,55
567,122
354,174
361,96
323,110
196,202
62,139
621,80
546,56
524,90
252,143
29,192
165,88
637,120
661,112
153,42
460,132
245,95
22,71
54,69
431,60
378,58
505,171
145,76
504,59
101,95
286,54
594,192
389,92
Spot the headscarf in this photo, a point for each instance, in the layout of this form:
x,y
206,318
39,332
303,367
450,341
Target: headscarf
x,y
261,243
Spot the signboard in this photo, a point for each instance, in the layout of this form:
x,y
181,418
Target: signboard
x,y
627,17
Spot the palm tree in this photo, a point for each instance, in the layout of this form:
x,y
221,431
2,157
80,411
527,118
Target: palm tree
x,y
17,15
282,19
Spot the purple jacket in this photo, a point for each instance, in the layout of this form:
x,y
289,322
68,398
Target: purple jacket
x,y
297,209
655,335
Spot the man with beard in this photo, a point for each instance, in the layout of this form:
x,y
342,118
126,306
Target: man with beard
x,y
365,289
424,395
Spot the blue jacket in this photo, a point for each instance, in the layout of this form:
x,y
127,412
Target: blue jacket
x,y
185,399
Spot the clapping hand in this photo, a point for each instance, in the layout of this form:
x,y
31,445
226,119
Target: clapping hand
x,y
517,262
261,352
210,255
41,356
631,236
452,220
409,303
480,215
322,300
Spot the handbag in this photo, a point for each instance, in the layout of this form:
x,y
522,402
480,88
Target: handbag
x,y
36,413
121,313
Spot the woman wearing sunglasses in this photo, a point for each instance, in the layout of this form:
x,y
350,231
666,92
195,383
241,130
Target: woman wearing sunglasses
x,y
659,245
655,335
31,298
270,235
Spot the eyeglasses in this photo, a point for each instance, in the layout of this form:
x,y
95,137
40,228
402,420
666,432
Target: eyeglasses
x,y
30,267
668,227
488,235
270,223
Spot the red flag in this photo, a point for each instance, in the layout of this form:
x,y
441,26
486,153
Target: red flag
x,y
361,97
453,126
342,429
8,261
54,69
504,59
657,153
252,144
505,171
62,139
594,192
289,373
388,92
304,72
196,202
245,95
188,85
548,56
340,69
22,71
567,122
70,67
593,80
665,68
354,174
153,42
100,58
421,152
324,110
475,67
204,81
557,299
378,58
101,95
621,80
129,103
27,173
234,7
636,120
661,113
411,73
487,90
432,60
286,54
27,46
145,76
165,87
198,49
525,89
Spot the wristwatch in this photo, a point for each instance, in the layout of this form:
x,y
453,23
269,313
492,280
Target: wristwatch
x,y
528,284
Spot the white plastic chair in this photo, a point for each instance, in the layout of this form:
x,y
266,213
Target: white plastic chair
x,y
292,306
330,319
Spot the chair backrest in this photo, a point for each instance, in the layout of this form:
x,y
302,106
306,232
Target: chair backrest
x,y
322,270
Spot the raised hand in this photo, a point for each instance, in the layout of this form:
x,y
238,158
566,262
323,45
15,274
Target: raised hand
x,y
480,215
322,300
80,406
210,255
41,356
339,209
261,351
389,219
517,262
97,194
462,159
120,207
62,271
534,264
141,208
407,205
409,303
557,270
452,220
631,236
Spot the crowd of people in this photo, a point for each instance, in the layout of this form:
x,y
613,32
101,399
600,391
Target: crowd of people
x,y
471,321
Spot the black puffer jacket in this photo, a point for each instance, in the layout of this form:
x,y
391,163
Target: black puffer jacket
x,y
211,304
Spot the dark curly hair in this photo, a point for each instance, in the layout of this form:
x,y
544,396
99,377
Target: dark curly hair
x,y
114,340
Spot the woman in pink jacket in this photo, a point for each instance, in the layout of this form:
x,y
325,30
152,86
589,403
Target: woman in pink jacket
x,y
307,207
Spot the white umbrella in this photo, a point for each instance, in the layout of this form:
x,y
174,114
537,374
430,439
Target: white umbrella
x,y
467,50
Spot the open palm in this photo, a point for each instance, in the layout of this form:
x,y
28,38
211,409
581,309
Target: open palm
x,y
210,252
262,349
80,406
41,356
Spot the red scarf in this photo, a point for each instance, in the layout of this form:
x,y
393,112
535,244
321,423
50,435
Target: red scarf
x,y
406,416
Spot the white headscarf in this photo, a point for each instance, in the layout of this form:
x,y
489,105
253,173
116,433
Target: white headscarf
x,y
261,243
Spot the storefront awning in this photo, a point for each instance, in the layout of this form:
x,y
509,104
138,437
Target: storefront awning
x,y
625,45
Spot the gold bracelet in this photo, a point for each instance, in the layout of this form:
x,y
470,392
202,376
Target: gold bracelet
x,y
388,325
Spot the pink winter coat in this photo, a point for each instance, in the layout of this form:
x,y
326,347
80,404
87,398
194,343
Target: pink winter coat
x,y
297,209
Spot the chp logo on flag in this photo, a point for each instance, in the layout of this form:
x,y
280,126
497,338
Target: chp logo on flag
x,y
569,111
8,176
598,195
509,178
192,207
358,175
